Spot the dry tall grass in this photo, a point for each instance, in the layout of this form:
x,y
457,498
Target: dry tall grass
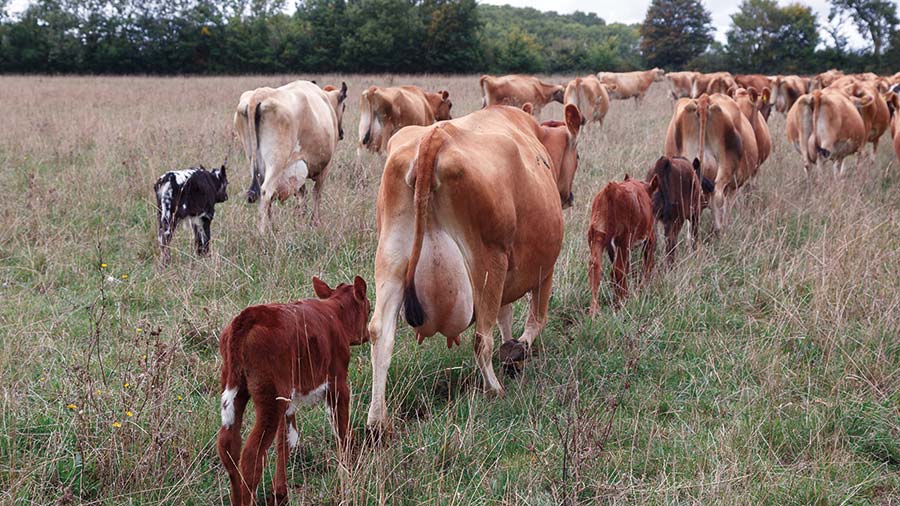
x,y
765,367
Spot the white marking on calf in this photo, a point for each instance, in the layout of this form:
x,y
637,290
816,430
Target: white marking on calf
x,y
314,396
228,406
293,437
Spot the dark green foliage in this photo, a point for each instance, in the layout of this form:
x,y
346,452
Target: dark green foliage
x,y
764,35
674,32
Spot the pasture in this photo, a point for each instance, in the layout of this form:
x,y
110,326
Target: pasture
x,y
762,368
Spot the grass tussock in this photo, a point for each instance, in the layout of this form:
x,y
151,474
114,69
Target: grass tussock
x,y
762,368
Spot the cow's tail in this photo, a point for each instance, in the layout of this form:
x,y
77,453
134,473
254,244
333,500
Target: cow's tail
x,y
703,113
422,178
815,105
257,165
366,116
705,184
234,378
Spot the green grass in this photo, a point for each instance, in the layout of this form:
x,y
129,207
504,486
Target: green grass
x,y
764,368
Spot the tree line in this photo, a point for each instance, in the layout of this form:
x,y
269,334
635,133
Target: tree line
x,y
448,36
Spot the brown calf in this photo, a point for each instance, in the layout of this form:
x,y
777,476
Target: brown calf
x,y
679,198
282,356
621,216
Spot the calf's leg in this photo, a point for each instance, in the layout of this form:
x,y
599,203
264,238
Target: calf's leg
x,y
229,446
595,272
253,457
200,225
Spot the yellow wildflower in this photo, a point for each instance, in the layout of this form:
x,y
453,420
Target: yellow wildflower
x,y
129,414
124,276
180,398
103,266
117,424
126,385
138,330
71,406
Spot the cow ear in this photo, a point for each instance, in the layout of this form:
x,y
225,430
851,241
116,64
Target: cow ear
x,y
445,95
732,91
654,184
754,95
765,95
527,107
323,291
359,288
222,175
627,177
573,120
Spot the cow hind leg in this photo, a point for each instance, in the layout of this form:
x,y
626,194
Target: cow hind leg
x,y
595,273
505,322
537,320
200,226
487,308
229,446
258,442
279,492
382,327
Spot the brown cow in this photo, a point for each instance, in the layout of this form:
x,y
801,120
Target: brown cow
x,y
621,217
679,198
517,90
631,84
283,356
289,135
749,102
786,91
384,111
713,129
715,82
826,125
590,96
876,115
893,101
469,220
680,83
824,80
761,83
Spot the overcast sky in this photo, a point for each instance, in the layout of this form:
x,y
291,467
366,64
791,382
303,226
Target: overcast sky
x,y
632,11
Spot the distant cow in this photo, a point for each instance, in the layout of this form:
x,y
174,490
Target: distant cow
x,y
761,83
825,125
590,96
289,135
680,83
621,217
714,130
678,198
284,356
517,90
191,195
384,111
786,91
469,219
824,80
750,103
893,101
714,82
631,84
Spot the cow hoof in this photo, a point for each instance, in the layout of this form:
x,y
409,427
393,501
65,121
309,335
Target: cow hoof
x,y
276,499
512,356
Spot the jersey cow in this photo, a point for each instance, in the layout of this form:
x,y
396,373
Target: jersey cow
x,y
761,83
517,90
631,84
283,356
384,111
590,96
680,83
715,82
714,130
825,125
875,114
469,220
786,91
289,135
750,102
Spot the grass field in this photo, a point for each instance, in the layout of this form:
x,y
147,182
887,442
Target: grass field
x,y
762,369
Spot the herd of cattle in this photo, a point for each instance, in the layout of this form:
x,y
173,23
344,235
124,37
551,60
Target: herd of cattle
x,y
470,217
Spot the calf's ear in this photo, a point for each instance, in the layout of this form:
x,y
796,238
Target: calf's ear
x,y
527,107
359,288
445,95
654,184
323,291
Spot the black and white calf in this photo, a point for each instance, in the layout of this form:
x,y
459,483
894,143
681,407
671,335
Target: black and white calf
x,y
191,195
